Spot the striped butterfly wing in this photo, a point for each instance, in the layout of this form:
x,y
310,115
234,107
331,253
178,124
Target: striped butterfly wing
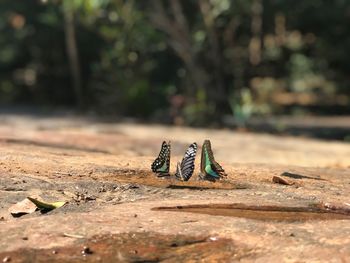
x,y
210,169
185,169
162,163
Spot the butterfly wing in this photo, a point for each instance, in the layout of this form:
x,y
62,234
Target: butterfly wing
x,y
210,169
185,169
162,162
178,173
204,160
207,170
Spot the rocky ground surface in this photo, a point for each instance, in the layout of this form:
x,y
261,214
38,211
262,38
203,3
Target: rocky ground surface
x,y
285,199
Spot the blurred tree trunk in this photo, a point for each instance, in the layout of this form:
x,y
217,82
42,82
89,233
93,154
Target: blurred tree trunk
x,y
229,37
218,93
176,27
256,27
72,51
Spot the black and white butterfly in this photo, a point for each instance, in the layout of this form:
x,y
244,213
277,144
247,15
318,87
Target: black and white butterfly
x,y
161,164
184,170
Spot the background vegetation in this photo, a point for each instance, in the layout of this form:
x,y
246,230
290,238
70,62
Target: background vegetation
x,y
188,61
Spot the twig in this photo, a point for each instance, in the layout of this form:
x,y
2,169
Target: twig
x,y
72,235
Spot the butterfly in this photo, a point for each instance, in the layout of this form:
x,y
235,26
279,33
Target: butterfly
x,y
210,169
161,164
184,170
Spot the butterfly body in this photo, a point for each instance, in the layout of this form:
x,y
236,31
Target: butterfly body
x,y
161,164
184,170
210,169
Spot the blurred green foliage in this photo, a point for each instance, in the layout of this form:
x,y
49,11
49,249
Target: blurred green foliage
x,y
188,61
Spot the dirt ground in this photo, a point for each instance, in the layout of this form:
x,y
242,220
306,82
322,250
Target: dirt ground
x,y
118,211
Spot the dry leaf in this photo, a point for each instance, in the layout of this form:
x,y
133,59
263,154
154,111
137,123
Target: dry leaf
x,y
23,207
279,180
46,206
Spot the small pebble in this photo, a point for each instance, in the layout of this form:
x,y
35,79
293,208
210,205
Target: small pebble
x,y
86,251
54,252
6,259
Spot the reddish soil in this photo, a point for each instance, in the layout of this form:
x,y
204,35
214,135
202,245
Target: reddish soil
x,y
103,172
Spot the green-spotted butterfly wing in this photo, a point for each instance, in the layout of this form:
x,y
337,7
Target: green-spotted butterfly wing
x,y
185,169
210,169
162,163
